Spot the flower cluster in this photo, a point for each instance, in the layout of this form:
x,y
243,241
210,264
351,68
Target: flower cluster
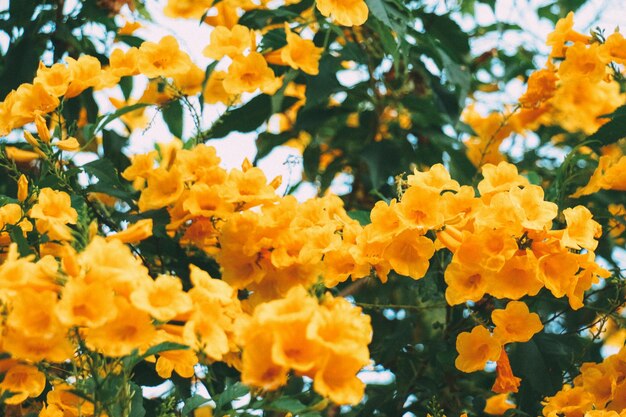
x,y
505,246
512,324
599,390
574,90
325,341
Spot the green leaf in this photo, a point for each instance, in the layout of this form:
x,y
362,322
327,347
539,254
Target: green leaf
x,y
130,40
266,142
378,9
246,118
17,236
102,121
231,393
362,216
126,84
192,403
136,404
164,347
134,359
108,180
320,87
173,116
447,33
279,96
112,144
612,131
381,159
291,405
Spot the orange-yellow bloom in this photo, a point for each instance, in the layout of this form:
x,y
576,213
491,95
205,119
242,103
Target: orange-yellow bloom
x,y
475,349
247,74
505,380
163,59
53,212
22,380
300,53
344,12
164,298
130,329
134,233
86,304
515,323
541,87
22,188
563,33
498,404
229,42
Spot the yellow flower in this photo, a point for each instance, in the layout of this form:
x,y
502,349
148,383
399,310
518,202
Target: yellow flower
x,y
337,380
500,178
20,155
214,91
22,381
475,349
229,42
140,167
541,87
85,72
344,12
537,213
421,207
247,74
164,298
409,253
582,62
164,188
258,368
181,361
563,33
42,128
505,380
515,323
608,176
215,308
498,404
61,398
190,83
124,64
571,402
300,53
187,9
70,144
134,233
112,263
30,100
86,304
163,59
32,331
614,49
465,283
135,119
517,278
54,79
222,14
581,231
53,212
22,188
131,329
129,28
31,314
557,270
486,247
